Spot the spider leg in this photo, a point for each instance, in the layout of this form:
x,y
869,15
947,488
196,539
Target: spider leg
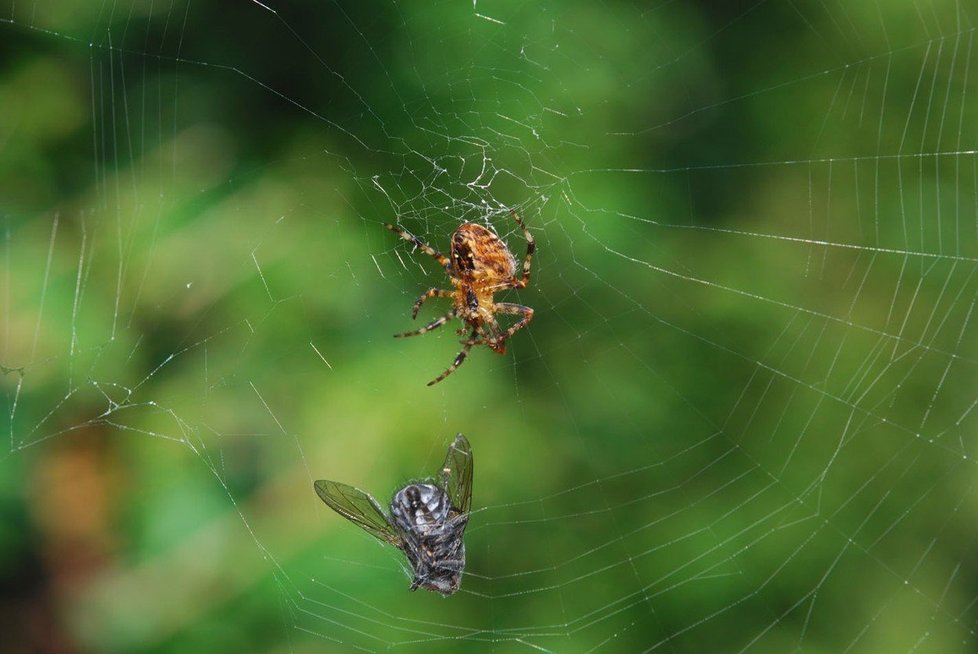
x,y
498,343
430,293
418,243
455,364
488,334
431,325
531,247
484,330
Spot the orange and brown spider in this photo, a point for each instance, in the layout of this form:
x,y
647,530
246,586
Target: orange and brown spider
x,y
479,265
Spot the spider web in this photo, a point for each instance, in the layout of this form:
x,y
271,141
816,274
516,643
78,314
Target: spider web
x,y
742,419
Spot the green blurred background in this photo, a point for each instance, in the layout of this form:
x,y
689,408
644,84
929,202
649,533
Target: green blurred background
x,y
743,418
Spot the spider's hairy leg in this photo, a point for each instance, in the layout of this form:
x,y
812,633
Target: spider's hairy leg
x,y
435,324
531,247
456,363
427,295
498,342
488,334
418,243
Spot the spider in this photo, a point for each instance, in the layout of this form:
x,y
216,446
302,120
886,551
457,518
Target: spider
x,y
479,265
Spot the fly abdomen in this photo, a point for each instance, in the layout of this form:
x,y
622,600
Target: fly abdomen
x,y
420,509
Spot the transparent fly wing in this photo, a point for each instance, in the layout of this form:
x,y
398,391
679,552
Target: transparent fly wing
x,y
456,474
358,507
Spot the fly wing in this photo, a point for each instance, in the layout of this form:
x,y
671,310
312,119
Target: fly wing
x,y
358,507
456,474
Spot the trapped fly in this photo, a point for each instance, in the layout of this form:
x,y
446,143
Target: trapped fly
x,y
427,519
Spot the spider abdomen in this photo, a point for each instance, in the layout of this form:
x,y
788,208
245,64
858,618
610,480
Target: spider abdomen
x,y
479,255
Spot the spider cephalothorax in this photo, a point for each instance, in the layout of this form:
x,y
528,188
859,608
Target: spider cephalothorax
x,y
479,265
